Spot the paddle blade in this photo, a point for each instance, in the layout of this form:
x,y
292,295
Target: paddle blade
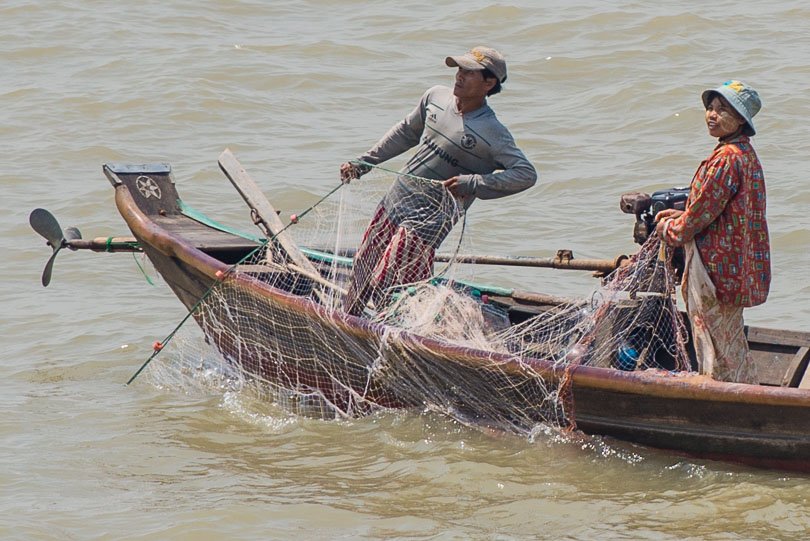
x,y
46,274
46,225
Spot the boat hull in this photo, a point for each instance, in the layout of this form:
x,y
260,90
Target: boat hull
x,y
759,426
292,342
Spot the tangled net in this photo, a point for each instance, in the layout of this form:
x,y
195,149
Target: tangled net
x,y
481,355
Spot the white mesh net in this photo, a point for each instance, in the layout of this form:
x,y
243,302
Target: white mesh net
x,y
428,337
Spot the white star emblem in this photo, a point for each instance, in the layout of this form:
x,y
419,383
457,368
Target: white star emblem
x,y
148,187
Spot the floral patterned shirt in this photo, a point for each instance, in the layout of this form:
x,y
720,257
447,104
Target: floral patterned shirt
x,y
725,214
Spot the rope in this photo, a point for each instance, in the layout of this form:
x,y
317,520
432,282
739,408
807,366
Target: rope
x,y
143,271
400,173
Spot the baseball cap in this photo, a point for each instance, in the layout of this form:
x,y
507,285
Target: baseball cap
x,y
480,58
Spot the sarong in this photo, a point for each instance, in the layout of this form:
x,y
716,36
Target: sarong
x,y
389,255
717,328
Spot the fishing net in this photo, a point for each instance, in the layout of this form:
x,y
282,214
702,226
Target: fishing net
x,y
429,336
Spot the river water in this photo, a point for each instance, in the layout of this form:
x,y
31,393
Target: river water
x,y
603,96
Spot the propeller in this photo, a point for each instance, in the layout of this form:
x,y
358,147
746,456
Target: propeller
x,y
44,223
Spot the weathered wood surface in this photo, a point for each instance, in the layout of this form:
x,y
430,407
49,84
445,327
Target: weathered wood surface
x,y
797,368
604,266
202,236
255,198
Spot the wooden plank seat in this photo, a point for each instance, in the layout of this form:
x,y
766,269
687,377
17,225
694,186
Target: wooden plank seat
x,y
781,356
204,237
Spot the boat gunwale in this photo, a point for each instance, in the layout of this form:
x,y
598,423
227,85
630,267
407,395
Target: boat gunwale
x,y
652,382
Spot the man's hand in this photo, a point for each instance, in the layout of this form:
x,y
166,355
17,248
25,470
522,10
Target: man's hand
x,y
463,190
452,185
349,172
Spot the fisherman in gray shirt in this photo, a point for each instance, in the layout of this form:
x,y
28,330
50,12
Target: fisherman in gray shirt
x,y
466,152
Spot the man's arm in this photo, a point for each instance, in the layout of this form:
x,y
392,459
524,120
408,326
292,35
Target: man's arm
x,y
515,174
400,138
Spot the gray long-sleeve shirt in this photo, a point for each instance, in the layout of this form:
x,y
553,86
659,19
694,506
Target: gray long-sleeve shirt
x,y
474,146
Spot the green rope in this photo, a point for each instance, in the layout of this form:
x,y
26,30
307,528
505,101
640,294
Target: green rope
x,y
198,216
110,246
321,200
399,173
143,271
160,345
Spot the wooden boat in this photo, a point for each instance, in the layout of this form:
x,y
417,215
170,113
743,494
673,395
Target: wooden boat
x,y
766,425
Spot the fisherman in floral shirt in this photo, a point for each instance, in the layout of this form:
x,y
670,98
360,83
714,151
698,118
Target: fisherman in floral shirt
x,y
725,236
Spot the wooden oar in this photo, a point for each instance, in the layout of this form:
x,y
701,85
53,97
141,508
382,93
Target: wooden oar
x,y
266,215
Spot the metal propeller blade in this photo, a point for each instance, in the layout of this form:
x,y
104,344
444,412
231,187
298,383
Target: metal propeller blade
x,y
46,225
46,274
71,234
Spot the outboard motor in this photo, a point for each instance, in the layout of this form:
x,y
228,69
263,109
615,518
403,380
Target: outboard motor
x,y
645,207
